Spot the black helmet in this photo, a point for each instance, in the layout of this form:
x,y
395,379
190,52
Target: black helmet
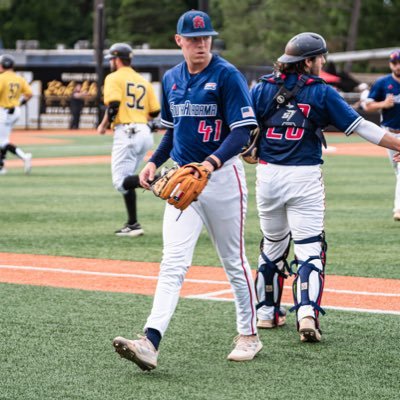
x,y
7,61
302,46
120,50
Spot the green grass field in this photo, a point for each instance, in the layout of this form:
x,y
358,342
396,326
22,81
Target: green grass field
x,y
56,343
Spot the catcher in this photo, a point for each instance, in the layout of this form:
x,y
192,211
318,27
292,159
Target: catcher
x,y
207,111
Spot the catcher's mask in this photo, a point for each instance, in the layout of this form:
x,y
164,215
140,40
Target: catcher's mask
x,y
120,50
7,61
302,46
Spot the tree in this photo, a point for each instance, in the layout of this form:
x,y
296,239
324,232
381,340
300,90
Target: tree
x,y
58,23
147,21
256,31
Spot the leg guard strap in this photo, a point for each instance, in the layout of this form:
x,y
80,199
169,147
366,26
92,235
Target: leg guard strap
x,y
303,273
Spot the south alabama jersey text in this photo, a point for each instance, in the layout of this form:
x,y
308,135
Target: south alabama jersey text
x,y
188,109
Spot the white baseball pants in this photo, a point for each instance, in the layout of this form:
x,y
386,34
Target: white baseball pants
x,y
7,121
395,166
221,208
128,151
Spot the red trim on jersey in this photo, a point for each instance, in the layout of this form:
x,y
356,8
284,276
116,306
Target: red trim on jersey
x,y
241,246
262,162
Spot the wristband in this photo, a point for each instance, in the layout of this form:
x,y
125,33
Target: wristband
x,y
23,101
212,162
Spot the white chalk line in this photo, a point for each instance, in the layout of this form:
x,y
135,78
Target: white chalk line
x,y
208,295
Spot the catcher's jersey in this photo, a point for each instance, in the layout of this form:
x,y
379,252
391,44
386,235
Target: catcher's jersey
x,y
12,86
135,94
319,102
379,90
203,108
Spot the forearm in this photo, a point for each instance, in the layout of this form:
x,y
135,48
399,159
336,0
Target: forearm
x,y
233,144
104,121
376,135
374,106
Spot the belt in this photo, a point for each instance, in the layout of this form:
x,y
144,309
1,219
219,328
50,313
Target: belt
x,y
10,110
393,130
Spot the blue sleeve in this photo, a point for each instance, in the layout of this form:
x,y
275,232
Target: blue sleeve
x,y
233,143
344,117
376,93
237,105
164,148
166,116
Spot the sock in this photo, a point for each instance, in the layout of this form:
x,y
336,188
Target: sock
x,y
130,203
131,182
154,336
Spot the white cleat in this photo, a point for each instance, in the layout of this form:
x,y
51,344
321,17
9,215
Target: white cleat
x,y
28,163
246,348
270,323
308,331
141,352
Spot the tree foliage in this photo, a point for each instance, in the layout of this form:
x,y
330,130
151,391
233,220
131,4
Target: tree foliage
x,y
258,30
146,21
254,31
61,21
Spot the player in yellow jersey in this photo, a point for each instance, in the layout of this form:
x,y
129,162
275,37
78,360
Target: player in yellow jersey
x,y
14,92
131,102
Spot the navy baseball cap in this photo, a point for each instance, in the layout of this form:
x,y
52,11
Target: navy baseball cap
x,y
195,23
394,56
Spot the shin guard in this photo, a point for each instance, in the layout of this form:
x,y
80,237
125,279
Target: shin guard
x,y
301,283
270,279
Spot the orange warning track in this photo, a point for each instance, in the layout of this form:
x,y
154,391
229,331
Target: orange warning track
x,y
342,292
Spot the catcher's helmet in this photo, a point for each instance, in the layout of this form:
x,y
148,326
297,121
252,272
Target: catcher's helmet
x,y
120,50
302,46
7,61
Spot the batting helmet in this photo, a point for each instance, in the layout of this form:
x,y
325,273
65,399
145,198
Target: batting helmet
x,y
302,46
7,61
120,50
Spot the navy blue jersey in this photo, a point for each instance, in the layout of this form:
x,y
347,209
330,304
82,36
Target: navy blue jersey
x,y
203,108
379,90
320,103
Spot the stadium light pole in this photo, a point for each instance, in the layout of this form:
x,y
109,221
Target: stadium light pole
x,y
98,41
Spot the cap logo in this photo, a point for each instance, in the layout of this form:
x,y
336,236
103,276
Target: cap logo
x,y
198,22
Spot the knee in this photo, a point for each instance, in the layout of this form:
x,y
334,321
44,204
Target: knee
x,y
118,184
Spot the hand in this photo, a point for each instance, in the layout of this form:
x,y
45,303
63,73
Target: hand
x,y
101,129
396,157
207,165
389,101
146,176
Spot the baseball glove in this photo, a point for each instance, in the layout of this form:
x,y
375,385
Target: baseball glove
x,y
180,186
250,152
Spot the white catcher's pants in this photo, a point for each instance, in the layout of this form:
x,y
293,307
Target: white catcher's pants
x,y
395,166
128,151
7,121
221,207
291,198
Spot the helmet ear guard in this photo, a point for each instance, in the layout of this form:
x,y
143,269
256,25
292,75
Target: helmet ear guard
x,y
302,46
